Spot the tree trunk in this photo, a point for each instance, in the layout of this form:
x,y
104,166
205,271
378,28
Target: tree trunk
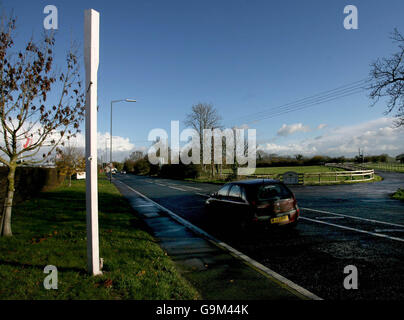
x,y
5,226
70,181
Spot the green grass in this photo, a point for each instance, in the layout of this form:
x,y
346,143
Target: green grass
x,y
298,169
51,230
399,195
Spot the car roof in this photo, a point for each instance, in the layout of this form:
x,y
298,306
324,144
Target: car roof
x,y
255,181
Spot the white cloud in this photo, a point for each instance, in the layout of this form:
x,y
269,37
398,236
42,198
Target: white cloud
x,y
103,141
287,130
121,146
322,126
375,137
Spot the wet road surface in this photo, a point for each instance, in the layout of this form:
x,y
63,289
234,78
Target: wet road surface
x,y
340,225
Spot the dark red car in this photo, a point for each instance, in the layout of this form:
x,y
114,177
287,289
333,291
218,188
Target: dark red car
x,y
259,201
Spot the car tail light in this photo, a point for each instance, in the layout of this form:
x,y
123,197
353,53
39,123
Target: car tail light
x,y
296,206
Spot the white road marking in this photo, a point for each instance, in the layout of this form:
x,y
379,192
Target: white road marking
x,y
377,200
323,218
389,230
180,187
235,252
201,194
176,188
354,229
195,188
353,217
144,205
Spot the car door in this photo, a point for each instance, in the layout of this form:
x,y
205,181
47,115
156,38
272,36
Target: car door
x,y
235,204
218,203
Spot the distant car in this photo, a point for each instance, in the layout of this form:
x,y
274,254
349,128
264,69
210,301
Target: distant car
x,y
249,202
123,172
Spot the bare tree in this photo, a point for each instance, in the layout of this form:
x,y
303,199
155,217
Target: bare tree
x,y
203,116
29,124
387,80
69,161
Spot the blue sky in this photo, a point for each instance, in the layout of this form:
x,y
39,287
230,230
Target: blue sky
x,y
241,56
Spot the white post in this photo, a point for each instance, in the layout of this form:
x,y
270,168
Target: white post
x,y
91,55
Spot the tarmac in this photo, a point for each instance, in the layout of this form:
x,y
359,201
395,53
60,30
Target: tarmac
x,y
215,269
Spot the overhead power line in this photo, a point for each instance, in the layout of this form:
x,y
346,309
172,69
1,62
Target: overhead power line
x,y
319,98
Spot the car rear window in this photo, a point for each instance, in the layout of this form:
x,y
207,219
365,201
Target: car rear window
x,y
273,192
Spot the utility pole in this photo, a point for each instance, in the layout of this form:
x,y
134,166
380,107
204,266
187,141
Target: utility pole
x,y
91,60
106,153
361,157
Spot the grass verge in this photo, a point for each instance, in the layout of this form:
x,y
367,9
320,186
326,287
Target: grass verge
x,y
51,230
399,195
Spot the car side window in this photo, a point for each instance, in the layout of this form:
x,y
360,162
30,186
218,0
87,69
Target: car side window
x,y
243,194
235,193
224,191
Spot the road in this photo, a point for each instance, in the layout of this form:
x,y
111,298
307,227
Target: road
x,y
340,225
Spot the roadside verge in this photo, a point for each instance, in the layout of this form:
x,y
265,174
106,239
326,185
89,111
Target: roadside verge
x,y
50,229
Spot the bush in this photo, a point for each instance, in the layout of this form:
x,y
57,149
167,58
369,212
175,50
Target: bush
x,y
29,181
129,166
399,194
179,171
142,167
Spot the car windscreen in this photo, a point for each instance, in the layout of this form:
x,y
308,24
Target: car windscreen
x,y
267,192
224,190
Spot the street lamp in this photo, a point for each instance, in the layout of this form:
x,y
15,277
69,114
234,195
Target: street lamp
x,y
110,149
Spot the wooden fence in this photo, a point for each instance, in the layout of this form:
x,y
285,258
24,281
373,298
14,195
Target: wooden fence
x,y
385,166
339,176
320,177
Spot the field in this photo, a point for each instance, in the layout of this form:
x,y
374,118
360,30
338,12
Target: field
x,y
301,169
51,230
298,169
312,174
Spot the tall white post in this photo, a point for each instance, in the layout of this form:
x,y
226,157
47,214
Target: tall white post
x,y
91,56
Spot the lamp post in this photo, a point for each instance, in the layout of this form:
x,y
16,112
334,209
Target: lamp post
x,y
110,146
